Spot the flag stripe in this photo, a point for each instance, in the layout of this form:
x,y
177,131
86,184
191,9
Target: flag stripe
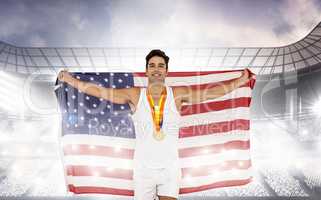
x,y
209,169
195,79
204,140
83,149
98,161
234,174
209,159
80,181
213,128
188,73
99,140
214,106
99,190
73,170
237,93
217,116
214,149
228,183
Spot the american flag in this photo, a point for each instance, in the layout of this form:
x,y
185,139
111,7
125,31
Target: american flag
x,y
98,136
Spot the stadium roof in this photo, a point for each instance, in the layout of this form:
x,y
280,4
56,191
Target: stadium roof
x,y
268,60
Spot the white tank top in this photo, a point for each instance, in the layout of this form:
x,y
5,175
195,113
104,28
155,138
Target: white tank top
x,y
148,151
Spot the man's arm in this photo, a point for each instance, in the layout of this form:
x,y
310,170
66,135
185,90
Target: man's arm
x,y
120,96
189,95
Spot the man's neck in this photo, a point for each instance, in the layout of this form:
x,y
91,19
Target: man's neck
x,y
155,89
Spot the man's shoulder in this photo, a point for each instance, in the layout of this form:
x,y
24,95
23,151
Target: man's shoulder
x,y
179,90
134,92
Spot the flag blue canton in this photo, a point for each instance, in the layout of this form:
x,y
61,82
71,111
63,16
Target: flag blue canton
x,y
86,114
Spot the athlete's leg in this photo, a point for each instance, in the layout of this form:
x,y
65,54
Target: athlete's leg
x,y
166,198
169,182
144,185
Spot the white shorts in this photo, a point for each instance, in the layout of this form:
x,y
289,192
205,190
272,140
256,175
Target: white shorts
x,y
150,183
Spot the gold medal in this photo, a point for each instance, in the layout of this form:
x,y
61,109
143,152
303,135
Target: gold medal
x,y
157,115
159,135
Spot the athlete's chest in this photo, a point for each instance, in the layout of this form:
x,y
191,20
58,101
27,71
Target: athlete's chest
x,y
170,101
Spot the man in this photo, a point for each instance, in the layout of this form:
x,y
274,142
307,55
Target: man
x,y
156,118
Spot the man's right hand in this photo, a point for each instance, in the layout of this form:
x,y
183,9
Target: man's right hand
x,y
64,76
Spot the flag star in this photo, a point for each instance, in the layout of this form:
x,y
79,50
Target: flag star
x,y
122,121
77,77
81,104
109,120
114,86
105,79
129,115
89,125
67,125
120,81
83,72
102,126
108,106
111,74
102,113
129,129
100,85
95,119
126,74
73,97
66,89
65,111
82,118
88,111
91,78
76,125
116,127
68,103
94,105
122,107
115,113
97,73
75,110
87,97
127,86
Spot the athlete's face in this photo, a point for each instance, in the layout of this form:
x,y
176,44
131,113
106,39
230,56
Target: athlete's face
x,y
156,69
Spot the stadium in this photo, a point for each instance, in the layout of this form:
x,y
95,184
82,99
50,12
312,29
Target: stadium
x,y
285,114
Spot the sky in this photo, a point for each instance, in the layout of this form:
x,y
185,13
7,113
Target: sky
x,y
152,23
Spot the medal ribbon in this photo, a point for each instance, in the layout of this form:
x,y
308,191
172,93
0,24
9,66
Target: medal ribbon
x,y
157,110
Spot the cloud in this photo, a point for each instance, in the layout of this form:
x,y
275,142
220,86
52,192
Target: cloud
x,y
302,15
13,24
59,23
189,23
157,23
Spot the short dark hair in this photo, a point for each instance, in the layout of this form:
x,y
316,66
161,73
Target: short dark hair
x,y
157,52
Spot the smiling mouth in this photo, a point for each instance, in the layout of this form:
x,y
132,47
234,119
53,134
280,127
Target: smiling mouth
x,y
157,75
